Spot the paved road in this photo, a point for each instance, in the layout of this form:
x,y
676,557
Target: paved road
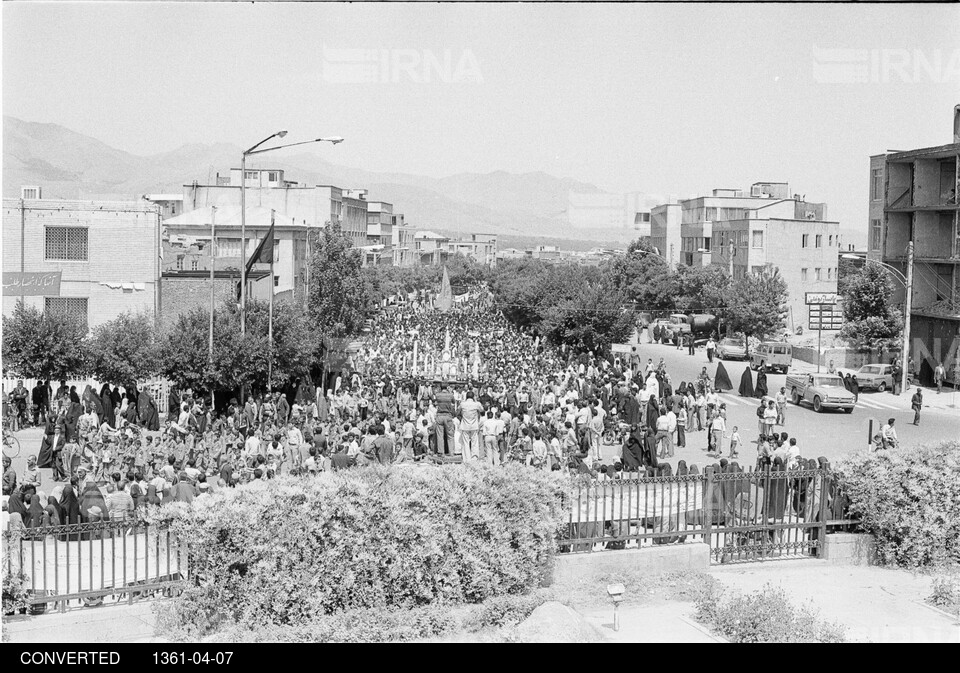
x,y
830,434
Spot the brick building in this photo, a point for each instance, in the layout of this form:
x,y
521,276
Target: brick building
x,y
107,255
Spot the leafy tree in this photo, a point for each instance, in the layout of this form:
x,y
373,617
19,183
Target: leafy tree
x,y
45,345
125,349
589,320
238,360
756,304
340,294
701,288
870,320
643,277
517,286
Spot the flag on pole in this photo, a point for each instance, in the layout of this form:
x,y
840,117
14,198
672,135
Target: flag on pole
x,y
264,252
445,300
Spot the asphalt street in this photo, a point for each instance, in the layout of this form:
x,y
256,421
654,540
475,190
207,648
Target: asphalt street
x,y
831,434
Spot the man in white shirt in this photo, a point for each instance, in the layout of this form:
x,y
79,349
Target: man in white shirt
x,y
491,451
671,428
888,435
470,412
253,446
294,440
719,429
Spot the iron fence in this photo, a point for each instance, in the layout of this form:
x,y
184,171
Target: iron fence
x,y
742,515
91,562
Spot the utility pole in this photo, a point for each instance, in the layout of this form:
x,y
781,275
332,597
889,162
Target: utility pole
x,y
213,239
732,251
907,308
243,244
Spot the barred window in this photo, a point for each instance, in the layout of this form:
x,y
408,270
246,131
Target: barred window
x,y
76,306
69,243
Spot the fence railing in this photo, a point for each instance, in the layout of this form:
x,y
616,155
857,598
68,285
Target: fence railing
x,y
90,562
742,515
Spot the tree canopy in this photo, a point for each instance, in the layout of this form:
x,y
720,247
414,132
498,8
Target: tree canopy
x,y
870,320
43,344
757,304
341,296
124,349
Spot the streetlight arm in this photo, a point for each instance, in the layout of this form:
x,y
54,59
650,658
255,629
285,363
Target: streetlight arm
x,y
280,147
278,133
888,267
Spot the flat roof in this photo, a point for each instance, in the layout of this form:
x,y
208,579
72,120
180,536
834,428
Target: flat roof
x,y
938,152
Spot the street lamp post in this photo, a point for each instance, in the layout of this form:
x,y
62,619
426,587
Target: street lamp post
x,y
907,281
243,211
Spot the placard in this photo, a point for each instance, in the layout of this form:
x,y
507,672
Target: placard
x,y
32,284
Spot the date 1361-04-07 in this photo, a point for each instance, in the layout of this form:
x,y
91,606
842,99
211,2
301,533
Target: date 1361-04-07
x,y
195,658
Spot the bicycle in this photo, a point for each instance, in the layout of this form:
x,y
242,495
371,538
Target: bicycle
x,y
11,445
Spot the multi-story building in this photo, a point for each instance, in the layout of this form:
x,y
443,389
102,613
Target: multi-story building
x,y
402,242
309,207
611,211
481,248
920,204
804,251
665,231
95,259
430,247
380,229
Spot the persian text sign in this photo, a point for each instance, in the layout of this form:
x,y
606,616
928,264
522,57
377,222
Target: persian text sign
x,y
32,284
822,298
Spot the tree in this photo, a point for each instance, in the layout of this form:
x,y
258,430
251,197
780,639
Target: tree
x,y
643,278
124,349
340,295
43,344
238,360
701,288
870,320
590,320
756,304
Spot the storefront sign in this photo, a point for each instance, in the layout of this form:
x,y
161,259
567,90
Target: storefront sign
x,y
32,284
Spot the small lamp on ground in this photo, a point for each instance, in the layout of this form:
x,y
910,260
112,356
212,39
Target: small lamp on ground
x,y
615,591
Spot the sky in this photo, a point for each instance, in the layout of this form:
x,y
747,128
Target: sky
x,y
667,99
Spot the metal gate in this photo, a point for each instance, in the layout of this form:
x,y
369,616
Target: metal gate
x,y
742,515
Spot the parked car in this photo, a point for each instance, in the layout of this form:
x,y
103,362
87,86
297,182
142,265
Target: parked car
x,y
823,391
774,355
875,377
731,349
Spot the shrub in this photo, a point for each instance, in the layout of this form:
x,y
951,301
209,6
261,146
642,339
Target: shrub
x,y
766,616
293,550
946,592
15,583
909,500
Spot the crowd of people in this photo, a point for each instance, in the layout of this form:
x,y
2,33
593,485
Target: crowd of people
x,y
426,386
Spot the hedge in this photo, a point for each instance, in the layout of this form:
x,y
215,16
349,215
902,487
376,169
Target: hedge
x,y
909,499
291,550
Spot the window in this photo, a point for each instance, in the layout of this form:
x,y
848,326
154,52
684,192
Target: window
x,y
228,247
250,175
757,239
66,243
75,306
179,262
876,186
272,176
276,281
194,265
818,275
829,273
830,239
819,241
804,275
806,241
875,234
709,214
29,192
276,250
706,244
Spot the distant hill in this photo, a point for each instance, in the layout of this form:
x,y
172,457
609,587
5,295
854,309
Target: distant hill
x,y
70,165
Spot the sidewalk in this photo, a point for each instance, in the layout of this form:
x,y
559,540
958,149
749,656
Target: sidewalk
x,y
669,622
105,624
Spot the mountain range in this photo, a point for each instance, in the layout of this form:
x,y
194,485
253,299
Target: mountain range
x,y
67,164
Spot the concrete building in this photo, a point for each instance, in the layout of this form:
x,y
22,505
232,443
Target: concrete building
x,y
430,247
187,245
804,251
665,222
95,259
170,205
380,228
310,207
920,204
402,242
481,248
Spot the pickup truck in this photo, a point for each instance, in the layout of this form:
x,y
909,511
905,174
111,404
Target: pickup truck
x,y
823,391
